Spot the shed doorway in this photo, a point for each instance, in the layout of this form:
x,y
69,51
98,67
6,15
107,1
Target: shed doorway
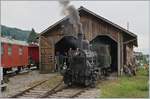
x,y
106,40
61,51
63,45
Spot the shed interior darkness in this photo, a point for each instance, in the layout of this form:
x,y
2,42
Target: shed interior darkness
x,y
64,44
67,42
113,49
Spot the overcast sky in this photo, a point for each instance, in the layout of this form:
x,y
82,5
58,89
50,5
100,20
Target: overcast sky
x,y
41,14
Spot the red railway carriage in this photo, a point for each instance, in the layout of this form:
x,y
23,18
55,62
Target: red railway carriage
x,y
33,53
15,54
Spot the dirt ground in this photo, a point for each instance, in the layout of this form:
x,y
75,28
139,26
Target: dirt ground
x,y
20,82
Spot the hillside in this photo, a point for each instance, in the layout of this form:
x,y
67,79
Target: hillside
x,y
15,33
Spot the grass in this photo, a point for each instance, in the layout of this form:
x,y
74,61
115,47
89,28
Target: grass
x,y
126,87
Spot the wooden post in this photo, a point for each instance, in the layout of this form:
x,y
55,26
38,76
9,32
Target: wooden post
x,y
120,54
40,65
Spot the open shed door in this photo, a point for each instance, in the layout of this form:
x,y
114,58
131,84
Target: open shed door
x,y
46,55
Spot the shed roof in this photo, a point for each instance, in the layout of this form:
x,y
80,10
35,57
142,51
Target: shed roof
x,y
13,41
97,16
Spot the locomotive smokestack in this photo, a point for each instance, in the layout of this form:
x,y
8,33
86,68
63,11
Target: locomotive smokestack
x,y
74,19
73,14
80,40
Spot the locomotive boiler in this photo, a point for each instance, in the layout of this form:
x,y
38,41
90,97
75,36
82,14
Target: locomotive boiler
x,y
82,69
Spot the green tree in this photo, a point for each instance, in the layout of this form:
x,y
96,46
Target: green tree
x,y
32,36
15,33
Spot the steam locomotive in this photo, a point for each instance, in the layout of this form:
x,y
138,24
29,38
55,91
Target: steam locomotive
x,y
87,64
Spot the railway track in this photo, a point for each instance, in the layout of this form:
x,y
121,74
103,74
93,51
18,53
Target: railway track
x,y
66,92
58,91
35,91
29,92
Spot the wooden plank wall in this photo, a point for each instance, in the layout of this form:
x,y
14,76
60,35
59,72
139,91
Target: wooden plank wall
x,y
93,28
46,55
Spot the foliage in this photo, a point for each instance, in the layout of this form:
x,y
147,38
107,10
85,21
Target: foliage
x,y
145,59
127,87
32,36
15,33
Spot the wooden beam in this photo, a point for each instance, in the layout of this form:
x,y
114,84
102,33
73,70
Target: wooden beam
x,y
129,41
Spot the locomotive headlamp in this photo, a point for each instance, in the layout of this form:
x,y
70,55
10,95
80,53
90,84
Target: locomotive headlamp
x,y
65,66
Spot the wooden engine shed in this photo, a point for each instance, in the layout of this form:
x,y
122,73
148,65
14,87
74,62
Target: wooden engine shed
x,y
96,29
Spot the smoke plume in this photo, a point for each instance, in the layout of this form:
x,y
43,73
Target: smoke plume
x,y
74,18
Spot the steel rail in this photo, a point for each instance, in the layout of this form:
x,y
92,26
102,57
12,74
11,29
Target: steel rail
x,y
27,90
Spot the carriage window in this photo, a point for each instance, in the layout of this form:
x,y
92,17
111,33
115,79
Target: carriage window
x,y
9,50
2,49
20,51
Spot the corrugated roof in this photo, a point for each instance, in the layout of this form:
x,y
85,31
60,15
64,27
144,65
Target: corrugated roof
x,y
12,41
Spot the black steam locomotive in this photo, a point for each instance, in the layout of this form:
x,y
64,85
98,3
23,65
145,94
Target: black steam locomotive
x,y
86,64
